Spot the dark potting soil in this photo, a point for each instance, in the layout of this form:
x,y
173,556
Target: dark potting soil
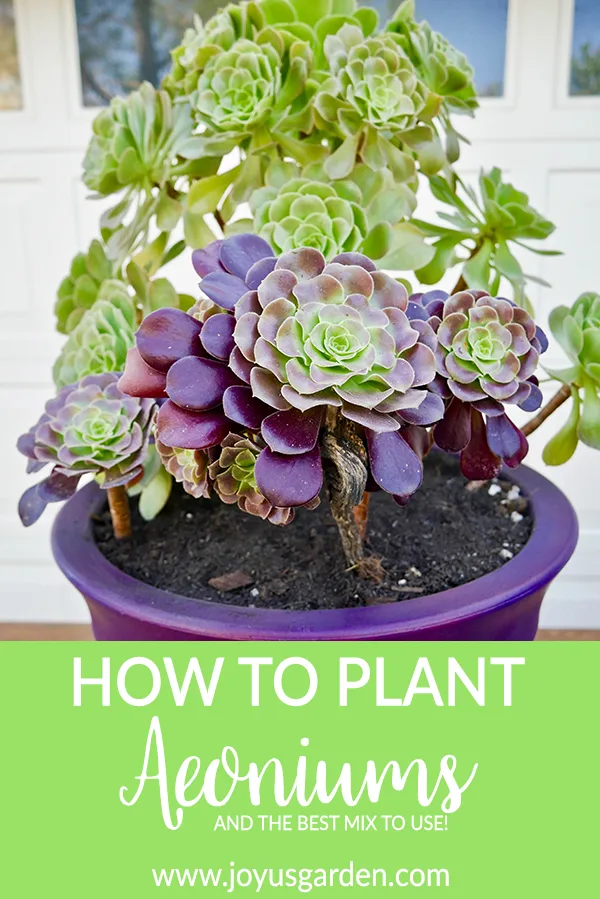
x,y
446,536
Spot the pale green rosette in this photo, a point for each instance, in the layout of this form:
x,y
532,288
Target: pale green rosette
x,y
82,286
578,332
444,69
101,340
136,140
307,213
373,100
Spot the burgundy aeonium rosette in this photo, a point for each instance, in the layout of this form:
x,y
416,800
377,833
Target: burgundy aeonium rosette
x,y
488,350
289,338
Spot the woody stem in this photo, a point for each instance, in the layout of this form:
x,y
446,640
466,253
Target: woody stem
x,y
551,406
118,503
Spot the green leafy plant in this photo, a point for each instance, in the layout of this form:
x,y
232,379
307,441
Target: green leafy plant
x,y
485,226
577,330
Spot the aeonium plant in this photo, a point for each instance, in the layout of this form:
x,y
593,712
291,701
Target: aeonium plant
x,y
314,372
285,150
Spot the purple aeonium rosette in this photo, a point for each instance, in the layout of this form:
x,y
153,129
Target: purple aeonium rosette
x,y
488,350
296,339
89,428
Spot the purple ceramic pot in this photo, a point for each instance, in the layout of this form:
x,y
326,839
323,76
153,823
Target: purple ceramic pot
x,y
503,605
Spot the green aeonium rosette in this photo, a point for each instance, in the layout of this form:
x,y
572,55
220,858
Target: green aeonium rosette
x,y
135,142
100,341
372,100
577,329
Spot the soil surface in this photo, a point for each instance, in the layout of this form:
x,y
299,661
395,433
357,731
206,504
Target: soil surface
x,y
446,536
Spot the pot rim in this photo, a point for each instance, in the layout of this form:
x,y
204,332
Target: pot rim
x,y
549,548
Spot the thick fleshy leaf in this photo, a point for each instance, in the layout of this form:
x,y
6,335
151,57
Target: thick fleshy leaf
x,y
289,480
416,312
304,263
419,439
589,424
477,461
240,252
533,401
267,388
562,446
223,289
355,259
166,336
427,413
468,393
304,403
292,432
453,433
246,334
208,259
541,336
239,365
259,271
370,418
56,488
140,379
191,430
26,444
217,335
240,406
198,384
506,440
394,465
31,506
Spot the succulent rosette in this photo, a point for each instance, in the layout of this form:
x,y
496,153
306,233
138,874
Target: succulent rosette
x,y
189,468
295,336
444,69
577,330
92,276
307,213
303,207
488,351
100,341
201,41
88,428
372,99
252,88
135,141
233,476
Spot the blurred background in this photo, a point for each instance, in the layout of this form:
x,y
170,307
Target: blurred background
x,y
537,65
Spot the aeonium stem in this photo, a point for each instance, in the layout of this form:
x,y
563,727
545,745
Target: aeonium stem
x,y
461,284
346,481
561,396
118,503
220,220
361,514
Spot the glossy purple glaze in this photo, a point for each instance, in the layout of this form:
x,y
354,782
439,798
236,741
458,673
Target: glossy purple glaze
x,y
503,605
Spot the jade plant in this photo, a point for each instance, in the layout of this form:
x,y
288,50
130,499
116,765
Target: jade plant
x,y
286,153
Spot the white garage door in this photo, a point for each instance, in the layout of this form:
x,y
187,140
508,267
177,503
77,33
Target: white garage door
x,y
538,67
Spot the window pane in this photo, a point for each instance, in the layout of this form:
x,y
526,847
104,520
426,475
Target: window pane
x,y
125,42
476,27
585,57
10,78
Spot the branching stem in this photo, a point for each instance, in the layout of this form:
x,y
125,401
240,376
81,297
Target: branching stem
x,y
118,503
219,220
551,406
